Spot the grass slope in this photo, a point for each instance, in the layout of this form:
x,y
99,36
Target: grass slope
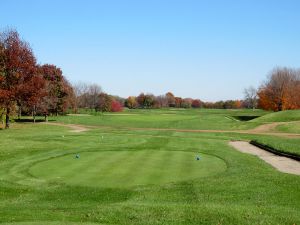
x,y
287,145
289,128
283,116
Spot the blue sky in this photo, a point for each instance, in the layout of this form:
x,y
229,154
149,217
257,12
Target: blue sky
x,y
209,49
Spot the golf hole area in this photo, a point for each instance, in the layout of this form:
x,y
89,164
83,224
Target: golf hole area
x,y
121,169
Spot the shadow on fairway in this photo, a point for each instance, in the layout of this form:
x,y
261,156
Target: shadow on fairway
x,y
27,120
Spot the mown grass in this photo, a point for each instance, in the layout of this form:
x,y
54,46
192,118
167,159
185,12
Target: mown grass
x,y
286,145
249,191
174,118
283,116
120,169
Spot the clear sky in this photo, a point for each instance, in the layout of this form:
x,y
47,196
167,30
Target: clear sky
x,y
207,49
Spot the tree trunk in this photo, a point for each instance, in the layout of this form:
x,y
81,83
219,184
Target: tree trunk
x,y
33,112
280,106
46,118
7,118
19,113
2,122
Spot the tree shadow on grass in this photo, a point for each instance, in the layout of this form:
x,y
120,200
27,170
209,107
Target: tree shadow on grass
x,y
28,120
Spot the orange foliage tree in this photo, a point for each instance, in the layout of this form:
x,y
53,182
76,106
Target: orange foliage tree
x,y
281,91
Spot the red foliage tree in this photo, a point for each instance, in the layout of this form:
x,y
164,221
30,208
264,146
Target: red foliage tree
x,y
196,103
18,73
116,106
60,94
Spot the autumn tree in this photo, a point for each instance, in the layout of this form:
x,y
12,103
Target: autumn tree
x,y
116,106
2,76
281,90
131,102
104,102
58,90
171,99
18,72
33,94
149,101
140,100
196,103
186,103
178,102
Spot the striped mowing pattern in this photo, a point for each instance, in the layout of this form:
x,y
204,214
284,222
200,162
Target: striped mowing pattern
x,y
127,168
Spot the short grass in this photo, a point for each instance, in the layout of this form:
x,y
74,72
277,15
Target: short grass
x,y
120,169
283,116
175,118
245,191
287,145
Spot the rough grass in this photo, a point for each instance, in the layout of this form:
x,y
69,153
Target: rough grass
x,y
289,128
249,191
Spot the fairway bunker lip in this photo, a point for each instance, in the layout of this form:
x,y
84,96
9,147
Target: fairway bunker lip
x,y
215,164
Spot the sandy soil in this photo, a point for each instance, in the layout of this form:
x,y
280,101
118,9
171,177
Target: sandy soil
x,y
266,127
283,164
74,127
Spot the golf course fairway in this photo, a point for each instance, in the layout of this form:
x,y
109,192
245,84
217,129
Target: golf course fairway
x,y
127,168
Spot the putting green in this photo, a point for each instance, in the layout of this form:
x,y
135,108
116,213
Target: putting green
x,y
127,168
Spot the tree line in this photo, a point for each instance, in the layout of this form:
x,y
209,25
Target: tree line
x,y
27,87
280,91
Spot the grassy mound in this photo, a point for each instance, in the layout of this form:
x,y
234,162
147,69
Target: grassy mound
x,y
283,116
289,128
